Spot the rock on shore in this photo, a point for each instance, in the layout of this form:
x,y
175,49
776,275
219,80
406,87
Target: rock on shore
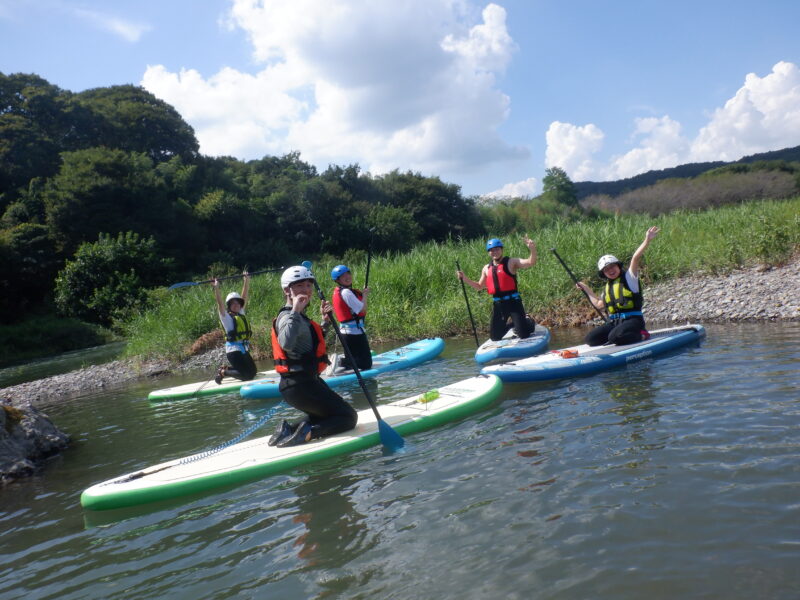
x,y
27,438
751,294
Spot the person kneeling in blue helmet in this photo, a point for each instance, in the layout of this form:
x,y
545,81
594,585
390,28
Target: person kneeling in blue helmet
x,y
350,308
622,298
499,278
237,334
298,348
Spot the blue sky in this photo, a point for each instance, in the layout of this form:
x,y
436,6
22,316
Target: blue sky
x,y
484,95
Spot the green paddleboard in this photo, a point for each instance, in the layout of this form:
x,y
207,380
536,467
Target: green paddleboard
x,y
255,459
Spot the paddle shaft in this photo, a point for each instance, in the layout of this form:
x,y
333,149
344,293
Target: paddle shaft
x,y
369,256
349,355
369,262
469,310
188,283
575,279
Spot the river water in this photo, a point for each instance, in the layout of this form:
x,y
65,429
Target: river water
x,y
677,477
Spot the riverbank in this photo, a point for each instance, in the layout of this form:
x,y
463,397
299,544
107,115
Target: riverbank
x,y
751,294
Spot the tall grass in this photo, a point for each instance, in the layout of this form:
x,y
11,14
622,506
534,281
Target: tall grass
x,y
417,294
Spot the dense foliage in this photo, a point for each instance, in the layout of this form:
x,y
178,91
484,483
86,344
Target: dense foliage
x,y
109,277
87,168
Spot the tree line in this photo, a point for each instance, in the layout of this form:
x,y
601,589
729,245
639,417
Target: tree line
x,y
104,195
85,178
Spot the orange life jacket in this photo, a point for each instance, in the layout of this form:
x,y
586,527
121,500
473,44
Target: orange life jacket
x,y
313,362
342,311
500,282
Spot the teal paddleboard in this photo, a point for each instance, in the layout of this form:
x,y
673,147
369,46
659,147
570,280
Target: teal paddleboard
x,y
399,358
265,383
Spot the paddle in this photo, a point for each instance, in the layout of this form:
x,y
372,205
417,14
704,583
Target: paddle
x,y
369,255
188,283
575,279
469,310
389,437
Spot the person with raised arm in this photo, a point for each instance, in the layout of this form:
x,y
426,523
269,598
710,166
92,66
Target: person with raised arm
x,y
300,355
622,298
237,334
499,278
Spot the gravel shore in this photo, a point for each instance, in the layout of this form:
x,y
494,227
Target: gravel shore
x,y
751,294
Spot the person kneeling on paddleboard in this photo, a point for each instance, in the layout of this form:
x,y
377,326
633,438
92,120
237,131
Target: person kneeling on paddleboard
x,y
237,334
622,298
298,348
350,308
499,278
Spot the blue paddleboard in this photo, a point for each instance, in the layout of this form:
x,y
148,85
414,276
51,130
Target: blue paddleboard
x,y
511,347
584,360
399,358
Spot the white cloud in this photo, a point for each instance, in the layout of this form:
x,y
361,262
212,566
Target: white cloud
x,y
763,115
525,188
127,30
662,146
408,85
571,147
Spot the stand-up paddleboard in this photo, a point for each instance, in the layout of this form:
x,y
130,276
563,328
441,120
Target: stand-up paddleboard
x,y
204,388
254,459
512,347
399,358
584,360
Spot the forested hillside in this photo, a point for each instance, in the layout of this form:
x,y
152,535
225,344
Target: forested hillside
x,y
621,186
104,171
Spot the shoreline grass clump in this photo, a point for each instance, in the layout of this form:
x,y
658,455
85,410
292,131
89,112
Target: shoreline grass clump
x,y
416,294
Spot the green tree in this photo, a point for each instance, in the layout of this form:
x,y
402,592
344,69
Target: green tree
x,y
30,263
130,118
108,278
437,207
559,187
111,191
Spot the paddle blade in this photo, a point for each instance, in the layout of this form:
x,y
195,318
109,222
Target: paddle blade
x,y
389,437
182,284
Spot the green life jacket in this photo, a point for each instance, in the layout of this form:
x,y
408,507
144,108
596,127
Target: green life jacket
x,y
242,331
620,299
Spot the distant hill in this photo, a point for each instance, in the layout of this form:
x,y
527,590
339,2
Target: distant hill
x,y
614,188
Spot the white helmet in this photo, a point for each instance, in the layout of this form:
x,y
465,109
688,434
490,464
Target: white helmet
x,y
293,274
608,259
233,296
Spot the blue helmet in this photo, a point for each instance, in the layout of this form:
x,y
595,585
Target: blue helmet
x,y
493,243
338,271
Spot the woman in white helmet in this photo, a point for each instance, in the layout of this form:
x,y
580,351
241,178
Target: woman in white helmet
x,y
622,298
298,348
237,334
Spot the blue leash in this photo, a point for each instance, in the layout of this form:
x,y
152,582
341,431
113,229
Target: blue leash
x,y
205,454
235,440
